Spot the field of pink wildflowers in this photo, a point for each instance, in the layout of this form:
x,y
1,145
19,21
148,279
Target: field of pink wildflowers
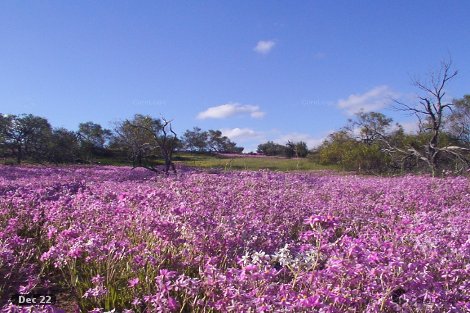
x,y
112,238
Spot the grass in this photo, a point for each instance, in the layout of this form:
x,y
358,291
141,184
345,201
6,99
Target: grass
x,y
249,163
223,162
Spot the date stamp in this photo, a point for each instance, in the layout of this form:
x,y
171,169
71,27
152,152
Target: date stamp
x,y
33,299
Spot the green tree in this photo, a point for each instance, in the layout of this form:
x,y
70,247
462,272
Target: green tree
x,y
289,149
372,126
5,126
147,138
137,141
219,143
458,124
301,149
271,149
195,140
64,146
343,149
433,113
25,136
93,139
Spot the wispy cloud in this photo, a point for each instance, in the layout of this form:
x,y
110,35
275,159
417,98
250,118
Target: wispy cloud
x,y
250,138
231,109
410,127
374,99
264,46
239,133
319,55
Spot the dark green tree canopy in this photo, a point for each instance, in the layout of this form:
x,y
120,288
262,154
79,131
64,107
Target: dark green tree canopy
x,y
458,124
146,139
25,135
197,140
93,134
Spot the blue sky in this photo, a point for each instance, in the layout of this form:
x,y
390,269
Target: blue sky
x,y
258,70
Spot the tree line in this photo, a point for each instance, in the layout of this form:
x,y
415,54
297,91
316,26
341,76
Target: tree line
x,y
371,142
290,149
143,140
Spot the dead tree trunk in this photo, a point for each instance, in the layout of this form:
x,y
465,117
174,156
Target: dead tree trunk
x,y
164,143
430,113
19,154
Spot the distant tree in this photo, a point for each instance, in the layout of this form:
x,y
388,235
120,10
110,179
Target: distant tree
x,y
371,126
215,141
147,138
219,143
295,149
64,146
25,136
92,138
5,126
137,141
195,140
289,149
334,149
271,149
341,148
301,149
432,112
458,123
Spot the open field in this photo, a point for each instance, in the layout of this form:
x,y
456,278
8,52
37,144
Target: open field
x,y
233,162
103,238
249,162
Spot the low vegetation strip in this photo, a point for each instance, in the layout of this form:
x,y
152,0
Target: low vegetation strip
x,y
243,162
111,238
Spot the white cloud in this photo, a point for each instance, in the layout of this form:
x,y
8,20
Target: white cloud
x,y
250,139
319,55
311,141
373,100
257,114
264,46
410,127
231,109
239,133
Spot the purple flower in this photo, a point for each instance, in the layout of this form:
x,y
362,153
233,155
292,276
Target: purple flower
x,y
173,305
133,282
97,280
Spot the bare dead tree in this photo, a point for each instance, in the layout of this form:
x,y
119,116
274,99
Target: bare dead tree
x,y
431,112
164,139
167,145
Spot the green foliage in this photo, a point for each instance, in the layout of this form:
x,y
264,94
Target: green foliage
x,y
290,150
5,126
343,150
136,138
250,163
145,139
301,149
219,143
92,139
197,140
25,136
372,126
64,146
270,148
458,124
